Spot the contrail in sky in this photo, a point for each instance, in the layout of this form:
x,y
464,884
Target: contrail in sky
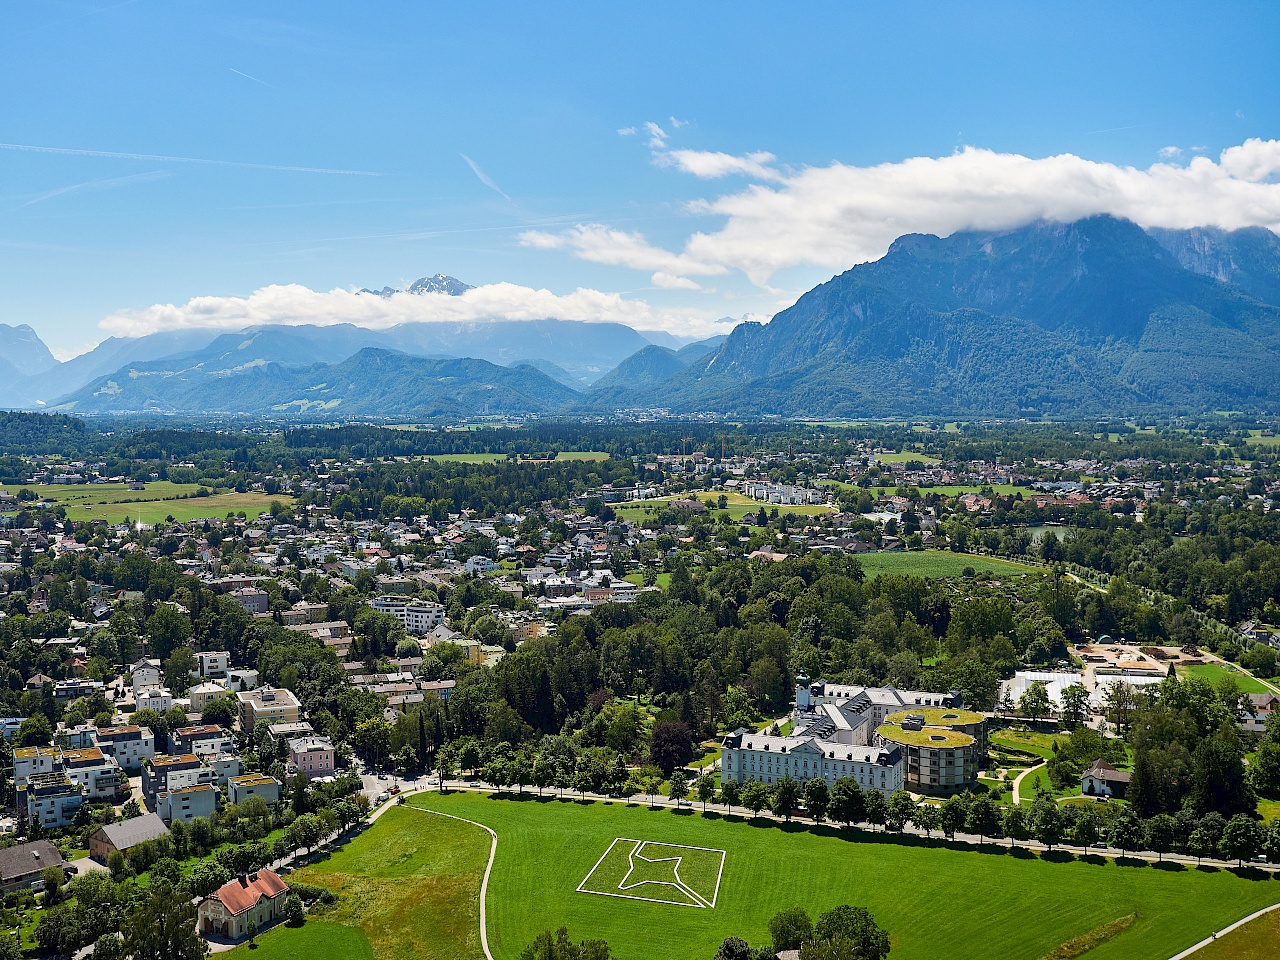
x,y
482,176
67,151
247,77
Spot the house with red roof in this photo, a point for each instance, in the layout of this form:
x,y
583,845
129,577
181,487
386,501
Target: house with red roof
x,y
256,898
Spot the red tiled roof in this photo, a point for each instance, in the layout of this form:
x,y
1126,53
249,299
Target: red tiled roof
x,y
244,892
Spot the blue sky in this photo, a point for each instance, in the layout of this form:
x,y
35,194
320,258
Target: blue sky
x,y
482,141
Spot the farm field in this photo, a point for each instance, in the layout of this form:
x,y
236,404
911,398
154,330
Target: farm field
x,y
408,887
907,457
113,502
937,563
1213,672
548,848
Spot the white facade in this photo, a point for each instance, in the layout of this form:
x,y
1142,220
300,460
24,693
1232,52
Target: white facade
x,y
748,756
158,699
418,616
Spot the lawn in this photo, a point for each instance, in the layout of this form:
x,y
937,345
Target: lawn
x,y
1213,672
113,502
1256,940
936,563
408,887
664,579
317,940
1012,906
1029,741
909,456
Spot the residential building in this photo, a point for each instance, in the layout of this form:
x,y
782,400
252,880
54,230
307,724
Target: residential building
x,y
256,898
751,756
203,740
125,835
287,731
252,599
97,774
186,803
212,664
50,798
203,694
21,866
168,774
272,704
241,788
1101,779
238,680
130,746
145,673
418,616
312,756
158,699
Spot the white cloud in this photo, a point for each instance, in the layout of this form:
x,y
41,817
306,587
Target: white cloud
x,y
1170,153
601,244
626,131
657,136
293,304
709,165
670,282
838,215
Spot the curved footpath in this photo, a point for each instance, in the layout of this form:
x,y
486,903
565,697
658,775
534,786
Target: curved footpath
x,y
1239,923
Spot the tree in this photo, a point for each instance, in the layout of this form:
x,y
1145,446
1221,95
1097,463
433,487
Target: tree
x,y
705,788
679,787
927,816
983,818
1241,840
1015,824
816,798
733,948
1159,834
847,804
1034,703
163,926
1126,831
786,794
1218,779
790,929
899,810
1264,769
954,812
730,791
853,931
558,946
755,796
1075,704
670,745
252,931
34,731
1046,822
372,740
877,808
1202,843
294,914
1086,830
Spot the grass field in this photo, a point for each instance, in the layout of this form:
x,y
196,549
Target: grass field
x,y
1257,940
1029,741
317,940
1213,672
115,501
407,888
1012,906
936,563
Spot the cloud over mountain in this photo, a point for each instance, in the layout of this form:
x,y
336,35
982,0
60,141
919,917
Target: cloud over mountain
x,y
295,304
838,215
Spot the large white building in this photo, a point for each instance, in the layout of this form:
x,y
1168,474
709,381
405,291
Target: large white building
x,y
835,735
418,616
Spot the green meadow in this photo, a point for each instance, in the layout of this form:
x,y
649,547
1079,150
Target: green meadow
x,y
411,882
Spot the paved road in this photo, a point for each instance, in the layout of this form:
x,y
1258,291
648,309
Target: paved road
x,y
1017,781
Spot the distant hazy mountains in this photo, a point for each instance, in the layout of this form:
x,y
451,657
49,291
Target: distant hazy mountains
x,y
1093,317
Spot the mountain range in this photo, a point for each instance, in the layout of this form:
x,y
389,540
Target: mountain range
x,y
1051,319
